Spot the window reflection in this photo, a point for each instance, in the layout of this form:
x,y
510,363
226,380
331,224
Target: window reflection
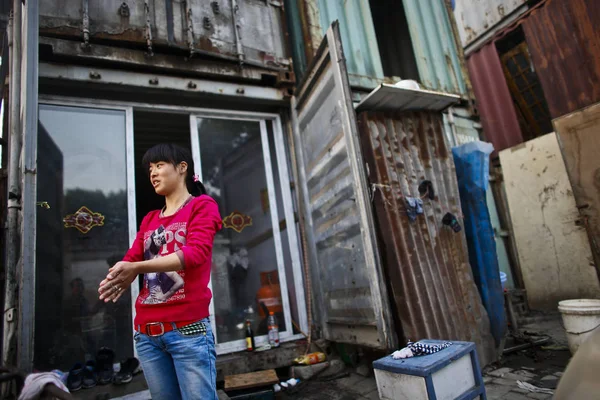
x,y
82,176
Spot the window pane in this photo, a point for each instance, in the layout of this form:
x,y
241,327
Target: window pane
x,y
244,276
521,82
512,67
81,175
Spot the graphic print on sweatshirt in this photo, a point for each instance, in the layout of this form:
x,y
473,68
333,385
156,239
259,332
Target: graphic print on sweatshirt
x,y
163,287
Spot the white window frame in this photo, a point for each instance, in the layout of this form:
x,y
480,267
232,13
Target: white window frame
x,y
284,182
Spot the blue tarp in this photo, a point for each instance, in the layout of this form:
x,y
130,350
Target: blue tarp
x,y
472,171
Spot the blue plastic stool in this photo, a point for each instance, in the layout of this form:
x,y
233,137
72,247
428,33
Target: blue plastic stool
x,y
452,373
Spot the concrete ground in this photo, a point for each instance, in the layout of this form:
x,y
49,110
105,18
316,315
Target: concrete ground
x,y
541,366
351,387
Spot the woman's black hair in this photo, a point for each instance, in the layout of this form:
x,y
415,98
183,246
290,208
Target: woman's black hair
x,y
175,154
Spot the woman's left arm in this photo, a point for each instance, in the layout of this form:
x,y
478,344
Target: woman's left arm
x,y
204,223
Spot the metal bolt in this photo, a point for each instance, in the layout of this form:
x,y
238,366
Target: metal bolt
x,y
10,315
124,10
215,7
192,85
95,75
153,81
207,23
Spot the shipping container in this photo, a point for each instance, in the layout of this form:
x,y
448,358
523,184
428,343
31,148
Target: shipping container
x,y
396,40
249,31
565,49
479,18
493,99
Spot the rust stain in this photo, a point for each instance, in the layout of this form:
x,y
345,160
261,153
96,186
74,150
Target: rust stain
x,y
126,35
204,43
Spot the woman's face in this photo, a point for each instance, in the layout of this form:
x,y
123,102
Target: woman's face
x,y
167,178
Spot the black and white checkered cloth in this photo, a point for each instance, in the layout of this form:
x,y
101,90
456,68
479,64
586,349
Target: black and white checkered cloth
x,y
193,329
422,349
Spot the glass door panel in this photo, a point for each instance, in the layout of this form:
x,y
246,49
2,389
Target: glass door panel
x,y
82,230
248,275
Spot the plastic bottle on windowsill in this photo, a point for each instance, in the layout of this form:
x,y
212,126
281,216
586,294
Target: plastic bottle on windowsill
x,y
273,330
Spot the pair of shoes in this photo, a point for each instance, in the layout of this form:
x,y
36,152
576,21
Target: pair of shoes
x,y
129,368
99,371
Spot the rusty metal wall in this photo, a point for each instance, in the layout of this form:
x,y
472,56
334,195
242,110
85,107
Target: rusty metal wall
x,y
196,26
494,102
564,44
426,262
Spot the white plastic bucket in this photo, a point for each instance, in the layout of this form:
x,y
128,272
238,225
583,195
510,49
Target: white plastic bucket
x,y
580,317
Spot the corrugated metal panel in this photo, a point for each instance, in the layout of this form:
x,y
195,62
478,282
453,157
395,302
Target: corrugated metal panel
x,y
294,23
465,130
358,36
434,45
564,44
475,17
426,262
201,27
393,98
348,285
497,110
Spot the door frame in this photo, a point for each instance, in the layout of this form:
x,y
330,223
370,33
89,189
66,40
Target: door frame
x,y
282,164
355,308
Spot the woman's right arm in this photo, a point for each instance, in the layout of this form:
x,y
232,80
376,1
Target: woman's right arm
x,y
136,252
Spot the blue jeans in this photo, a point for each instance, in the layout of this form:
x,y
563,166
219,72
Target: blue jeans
x,y
179,367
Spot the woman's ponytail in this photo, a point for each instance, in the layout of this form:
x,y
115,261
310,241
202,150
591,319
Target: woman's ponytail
x,y
195,186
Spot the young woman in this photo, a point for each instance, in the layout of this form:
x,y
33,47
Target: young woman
x,y
173,249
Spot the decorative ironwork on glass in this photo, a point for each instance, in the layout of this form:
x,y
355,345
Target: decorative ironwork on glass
x,y
84,220
237,221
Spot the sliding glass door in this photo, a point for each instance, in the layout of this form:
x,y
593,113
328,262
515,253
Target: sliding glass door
x,y
84,226
236,157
